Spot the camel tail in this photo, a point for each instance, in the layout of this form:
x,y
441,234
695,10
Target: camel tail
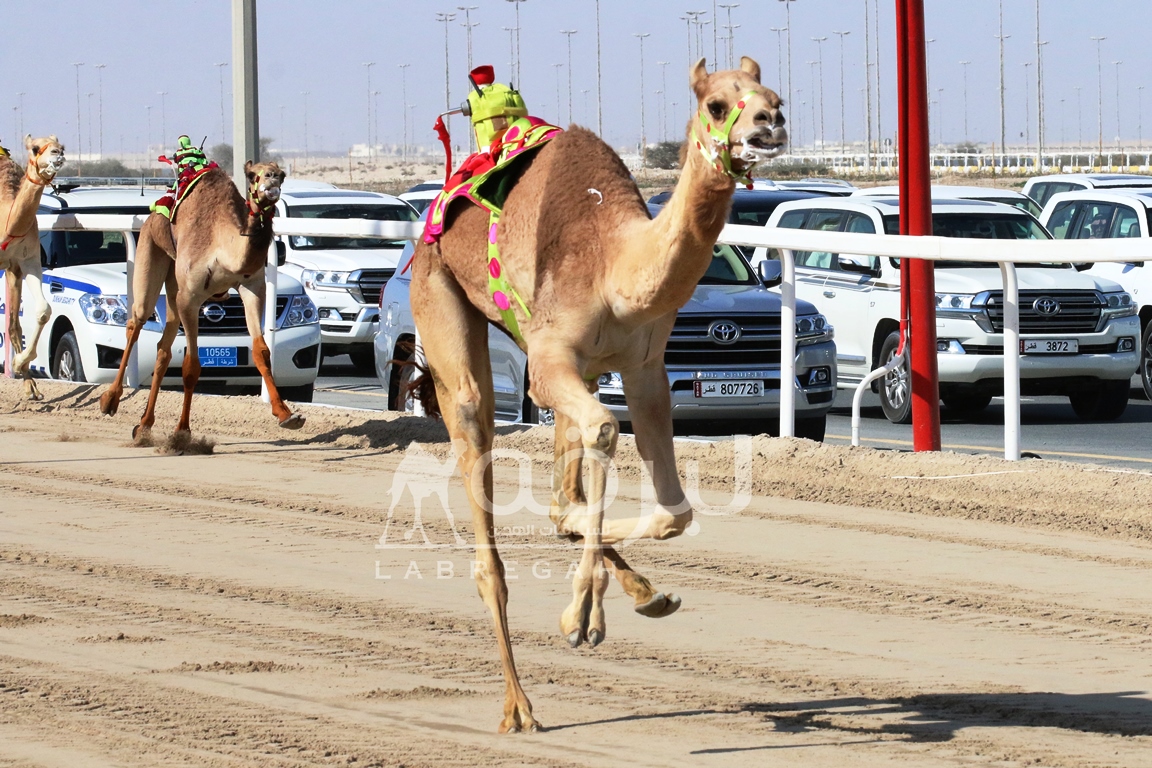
x,y
422,386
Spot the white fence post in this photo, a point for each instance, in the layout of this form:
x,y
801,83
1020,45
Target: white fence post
x,y
787,344
1011,362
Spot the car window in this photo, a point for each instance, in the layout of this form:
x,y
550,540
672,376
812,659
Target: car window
x,y
80,248
1043,192
1095,221
988,226
344,211
1025,204
821,221
728,268
1061,220
1039,192
792,220
1125,223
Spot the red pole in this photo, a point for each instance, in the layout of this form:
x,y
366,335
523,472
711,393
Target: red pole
x,y
916,219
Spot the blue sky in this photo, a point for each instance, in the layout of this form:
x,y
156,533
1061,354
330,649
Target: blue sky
x,y
320,47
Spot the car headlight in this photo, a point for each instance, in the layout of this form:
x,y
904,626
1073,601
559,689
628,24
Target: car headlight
x,y
813,329
1118,304
324,280
611,380
301,311
104,309
961,301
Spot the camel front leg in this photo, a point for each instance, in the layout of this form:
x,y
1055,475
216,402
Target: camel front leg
x,y
455,340
33,289
252,294
189,311
163,354
556,383
153,268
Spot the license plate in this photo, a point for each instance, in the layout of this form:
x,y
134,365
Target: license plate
x,y
1049,346
218,357
728,388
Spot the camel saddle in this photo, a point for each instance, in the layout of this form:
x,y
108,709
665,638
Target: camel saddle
x,y
486,179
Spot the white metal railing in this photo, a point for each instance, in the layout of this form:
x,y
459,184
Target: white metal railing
x,y
1005,253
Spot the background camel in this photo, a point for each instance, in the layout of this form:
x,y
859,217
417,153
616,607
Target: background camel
x,y
216,242
603,283
20,192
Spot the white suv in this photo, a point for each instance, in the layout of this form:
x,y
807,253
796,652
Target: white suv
x,y
342,275
1041,188
85,276
1079,333
1097,213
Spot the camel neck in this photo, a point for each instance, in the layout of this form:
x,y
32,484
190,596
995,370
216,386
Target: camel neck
x,y
22,215
663,259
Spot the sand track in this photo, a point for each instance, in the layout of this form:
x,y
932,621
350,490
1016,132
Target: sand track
x,y
864,608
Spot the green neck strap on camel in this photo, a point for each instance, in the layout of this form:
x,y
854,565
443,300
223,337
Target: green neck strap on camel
x,y
721,158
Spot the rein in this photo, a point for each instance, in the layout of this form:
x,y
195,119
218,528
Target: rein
x,y
261,212
719,154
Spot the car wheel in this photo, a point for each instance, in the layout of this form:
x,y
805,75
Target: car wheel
x,y
1146,360
402,399
66,363
967,402
363,360
298,394
535,415
812,428
1107,402
895,387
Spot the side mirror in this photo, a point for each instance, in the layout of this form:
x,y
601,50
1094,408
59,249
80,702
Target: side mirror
x,y
771,272
281,253
849,264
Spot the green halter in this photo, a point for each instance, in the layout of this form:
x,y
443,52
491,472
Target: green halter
x,y
722,159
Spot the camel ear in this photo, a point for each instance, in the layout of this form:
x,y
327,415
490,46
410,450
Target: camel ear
x,y
248,168
697,77
751,67
52,138
28,142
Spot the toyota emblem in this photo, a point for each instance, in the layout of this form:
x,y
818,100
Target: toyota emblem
x,y
1047,306
724,332
213,313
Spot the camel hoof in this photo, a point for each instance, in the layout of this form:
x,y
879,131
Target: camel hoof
x,y
575,637
109,405
135,431
32,390
295,421
595,637
659,606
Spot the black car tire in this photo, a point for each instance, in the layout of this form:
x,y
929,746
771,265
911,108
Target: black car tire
x,y
1106,402
302,393
967,402
363,360
895,387
1146,360
66,362
812,428
536,415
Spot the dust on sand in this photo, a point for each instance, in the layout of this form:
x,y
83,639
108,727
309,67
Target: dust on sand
x,y
855,606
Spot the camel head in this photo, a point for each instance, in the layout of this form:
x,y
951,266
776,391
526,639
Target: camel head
x,y
45,157
264,180
739,122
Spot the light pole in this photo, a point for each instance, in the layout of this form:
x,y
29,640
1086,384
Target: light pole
x,y
223,129
1003,134
584,91
467,24
446,19
148,138
779,50
940,125
89,96
100,105
557,68
965,66
812,98
1061,124
599,125
664,99
879,101
1039,93
376,117
1140,118
798,120
690,17
511,50
643,130
163,115
788,28
1027,133
516,5
305,95
1079,122
568,33
1117,63
820,67
368,67
843,142
867,93
1099,96
79,136
404,100
731,39
20,131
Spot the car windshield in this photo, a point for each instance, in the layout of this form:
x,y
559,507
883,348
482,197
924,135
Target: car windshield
x,y
81,248
727,268
345,211
983,226
1026,204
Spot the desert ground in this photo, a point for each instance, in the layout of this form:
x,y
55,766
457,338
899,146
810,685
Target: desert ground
x,y
266,598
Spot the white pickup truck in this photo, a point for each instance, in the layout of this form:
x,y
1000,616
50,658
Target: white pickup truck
x,y
1079,333
85,278
342,275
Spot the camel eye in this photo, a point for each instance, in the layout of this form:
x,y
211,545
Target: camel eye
x,y
716,109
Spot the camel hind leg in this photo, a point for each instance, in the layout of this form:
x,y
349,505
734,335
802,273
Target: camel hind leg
x,y
153,266
252,294
455,340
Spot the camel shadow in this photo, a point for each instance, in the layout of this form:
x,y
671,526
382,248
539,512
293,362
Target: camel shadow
x,y
391,434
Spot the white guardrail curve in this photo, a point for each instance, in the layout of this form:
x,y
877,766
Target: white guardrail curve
x,y
1005,253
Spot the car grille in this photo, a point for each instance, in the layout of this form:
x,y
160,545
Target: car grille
x,y
370,284
1079,312
232,323
690,344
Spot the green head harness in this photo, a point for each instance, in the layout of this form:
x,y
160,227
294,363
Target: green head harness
x,y
491,105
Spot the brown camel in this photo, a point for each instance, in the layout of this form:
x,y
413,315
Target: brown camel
x,y
603,282
20,191
217,241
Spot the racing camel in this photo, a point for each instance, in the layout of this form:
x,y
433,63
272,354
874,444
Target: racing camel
x,y
597,284
20,192
217,241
